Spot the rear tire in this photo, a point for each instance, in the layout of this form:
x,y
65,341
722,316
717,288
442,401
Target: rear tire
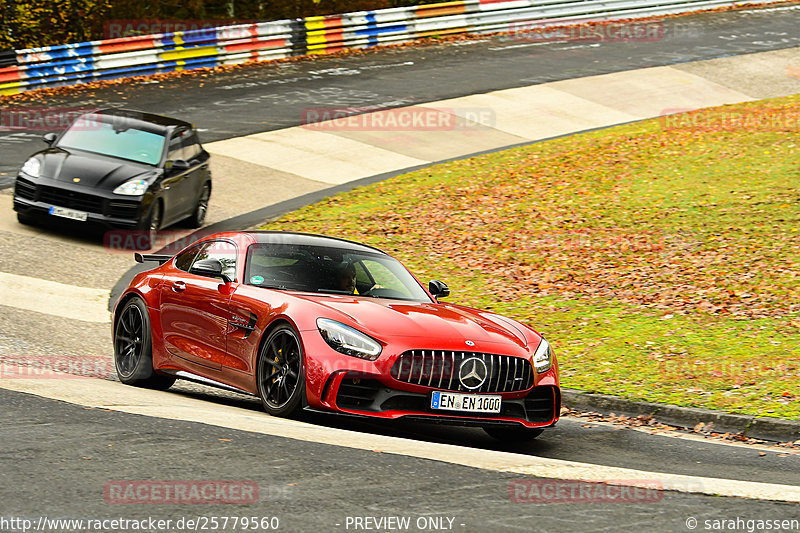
x,y
133,348
198,217
280,373
512,434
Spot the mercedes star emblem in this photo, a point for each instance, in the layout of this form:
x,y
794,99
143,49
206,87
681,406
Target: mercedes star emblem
x,y
472,373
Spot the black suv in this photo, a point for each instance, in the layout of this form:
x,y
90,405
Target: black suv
x,y
120,168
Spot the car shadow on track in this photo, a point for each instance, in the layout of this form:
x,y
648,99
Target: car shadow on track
x,y
64,229
175,237
414,430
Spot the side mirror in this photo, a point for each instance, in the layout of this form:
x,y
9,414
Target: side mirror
x,y
49,138
438,289
179,165
210,268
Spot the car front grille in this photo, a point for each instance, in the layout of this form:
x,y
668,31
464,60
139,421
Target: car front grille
x,y
70,199
440,369
25,189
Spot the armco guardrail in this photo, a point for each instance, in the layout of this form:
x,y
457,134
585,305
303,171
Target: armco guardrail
x,y
8,58
135,56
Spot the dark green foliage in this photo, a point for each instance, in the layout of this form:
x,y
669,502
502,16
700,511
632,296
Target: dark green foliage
x,y
33,23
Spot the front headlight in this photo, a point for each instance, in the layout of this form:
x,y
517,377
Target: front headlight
x,y
543,358
32,167
136,187
347,340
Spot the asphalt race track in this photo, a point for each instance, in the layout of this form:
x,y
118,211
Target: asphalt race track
x,y
265,98
308,487
58,457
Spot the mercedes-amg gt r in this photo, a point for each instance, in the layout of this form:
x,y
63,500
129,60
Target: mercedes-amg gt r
x,y
318,323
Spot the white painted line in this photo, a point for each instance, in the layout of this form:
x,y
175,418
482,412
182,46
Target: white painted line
x,y
115,396
578,46
53,298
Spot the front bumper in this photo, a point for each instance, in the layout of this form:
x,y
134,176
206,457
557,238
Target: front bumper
x,y
352,393
35,197
348,385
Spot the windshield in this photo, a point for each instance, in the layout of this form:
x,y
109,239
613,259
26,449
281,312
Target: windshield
x,y
330,270
93,135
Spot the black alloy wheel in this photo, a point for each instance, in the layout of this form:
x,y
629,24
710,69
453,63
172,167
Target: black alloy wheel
x,y
133,349
155,218
152,221
280,372
199,215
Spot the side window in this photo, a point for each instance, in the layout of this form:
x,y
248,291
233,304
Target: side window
x,y
222,250
178,143
175,149
191,147
186,258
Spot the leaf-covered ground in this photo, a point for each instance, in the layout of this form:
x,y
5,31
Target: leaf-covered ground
x,y
661,258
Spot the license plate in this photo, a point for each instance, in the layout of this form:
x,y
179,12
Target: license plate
x,y
68,213
473,403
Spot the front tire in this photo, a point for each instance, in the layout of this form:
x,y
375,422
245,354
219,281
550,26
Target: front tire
x,y
152,222
512,434
133,348
198,217
280,373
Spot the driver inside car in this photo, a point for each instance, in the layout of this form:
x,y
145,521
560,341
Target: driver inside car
x,y
346,277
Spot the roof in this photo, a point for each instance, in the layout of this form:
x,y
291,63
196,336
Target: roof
x,y
141,120
310,239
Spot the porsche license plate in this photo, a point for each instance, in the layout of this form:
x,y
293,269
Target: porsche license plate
x,y
473,403
68,213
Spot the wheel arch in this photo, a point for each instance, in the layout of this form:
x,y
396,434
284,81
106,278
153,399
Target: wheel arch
x,y
123,300
272,326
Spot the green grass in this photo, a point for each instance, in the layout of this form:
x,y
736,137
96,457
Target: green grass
x,y
662,262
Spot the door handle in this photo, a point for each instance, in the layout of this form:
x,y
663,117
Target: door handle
x,y
179,286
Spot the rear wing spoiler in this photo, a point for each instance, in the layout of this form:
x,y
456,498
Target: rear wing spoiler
x,y
141,258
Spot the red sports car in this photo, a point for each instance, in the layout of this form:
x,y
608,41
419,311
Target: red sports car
x,y
308,322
